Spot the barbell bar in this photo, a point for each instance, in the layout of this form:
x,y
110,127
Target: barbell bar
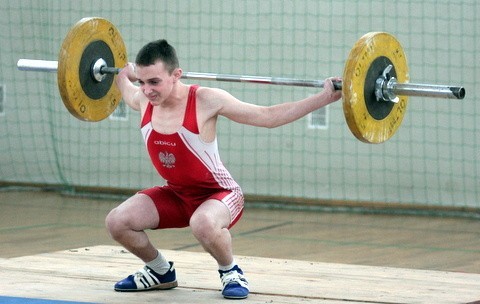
x,y
375,86
394,89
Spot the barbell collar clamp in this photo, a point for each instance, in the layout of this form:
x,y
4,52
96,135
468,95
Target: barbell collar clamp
x,y
384,86
96,71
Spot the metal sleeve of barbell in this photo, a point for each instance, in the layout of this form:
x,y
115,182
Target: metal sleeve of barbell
x,y
259,80
37,65
429,90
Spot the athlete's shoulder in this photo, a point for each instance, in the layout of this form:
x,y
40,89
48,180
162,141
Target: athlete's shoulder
x,y
208,94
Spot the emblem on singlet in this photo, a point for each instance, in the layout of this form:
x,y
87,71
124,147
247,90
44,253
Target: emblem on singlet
x,y
167,159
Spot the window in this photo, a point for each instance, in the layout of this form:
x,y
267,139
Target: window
x,y
318,119
2,100
121,112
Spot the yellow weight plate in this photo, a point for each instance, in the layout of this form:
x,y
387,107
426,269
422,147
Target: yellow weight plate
x,y
88,40
373,121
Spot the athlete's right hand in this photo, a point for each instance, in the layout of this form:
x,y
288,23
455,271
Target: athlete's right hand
x,y
129,72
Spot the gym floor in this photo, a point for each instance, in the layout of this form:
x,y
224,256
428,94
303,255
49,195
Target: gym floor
x,y
39,222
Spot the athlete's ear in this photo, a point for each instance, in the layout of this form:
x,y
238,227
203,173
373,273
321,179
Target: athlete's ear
x,y
177,74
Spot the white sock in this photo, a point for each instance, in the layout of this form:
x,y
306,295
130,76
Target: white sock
x,y
227,267
160,265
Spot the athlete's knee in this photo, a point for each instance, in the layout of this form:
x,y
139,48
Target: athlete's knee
x,y
111,222
115,223
203,226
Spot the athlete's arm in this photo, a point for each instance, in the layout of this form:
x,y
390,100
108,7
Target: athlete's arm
x,y
268,116
130,92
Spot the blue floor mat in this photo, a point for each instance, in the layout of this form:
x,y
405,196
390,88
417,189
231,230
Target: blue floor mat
x,y
17,300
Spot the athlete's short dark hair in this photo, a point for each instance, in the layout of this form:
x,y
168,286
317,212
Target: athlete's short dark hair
x,y
158,50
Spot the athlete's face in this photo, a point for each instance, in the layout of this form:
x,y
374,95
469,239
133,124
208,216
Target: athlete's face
x,y
155,81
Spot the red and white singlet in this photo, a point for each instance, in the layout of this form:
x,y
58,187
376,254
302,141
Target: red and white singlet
x,y
192,168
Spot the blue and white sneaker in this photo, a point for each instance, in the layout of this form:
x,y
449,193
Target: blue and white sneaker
x,y
235,285
147,279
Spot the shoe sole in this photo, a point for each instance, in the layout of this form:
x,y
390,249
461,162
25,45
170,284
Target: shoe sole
x,y
164,286
235,298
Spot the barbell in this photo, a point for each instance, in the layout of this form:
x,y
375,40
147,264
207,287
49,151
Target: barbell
x,y
375,82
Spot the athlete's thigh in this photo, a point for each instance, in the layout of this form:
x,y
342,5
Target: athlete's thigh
x,y
139,212
214,212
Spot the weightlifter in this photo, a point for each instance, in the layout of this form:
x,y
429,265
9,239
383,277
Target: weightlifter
x,y
178,124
